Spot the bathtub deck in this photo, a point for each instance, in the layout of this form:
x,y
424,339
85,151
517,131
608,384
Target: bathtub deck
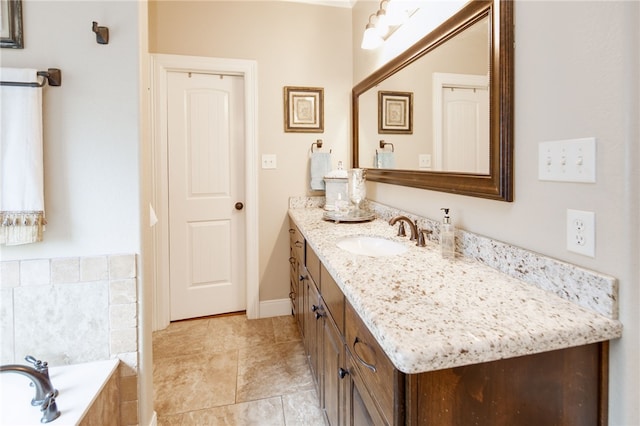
x,y
78,386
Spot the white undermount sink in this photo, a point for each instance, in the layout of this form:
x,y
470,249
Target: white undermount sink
x,y
371,246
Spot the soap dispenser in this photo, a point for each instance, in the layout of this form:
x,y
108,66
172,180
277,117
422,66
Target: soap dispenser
x,y
447,237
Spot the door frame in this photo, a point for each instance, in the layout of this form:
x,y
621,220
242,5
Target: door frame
x,y
440,81
161,65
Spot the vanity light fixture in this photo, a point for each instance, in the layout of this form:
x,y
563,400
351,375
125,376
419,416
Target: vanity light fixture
x,y
397,12
389,17
372,39
382,24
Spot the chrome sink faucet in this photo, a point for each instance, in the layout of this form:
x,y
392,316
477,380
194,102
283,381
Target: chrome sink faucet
x,y
45,392
417,234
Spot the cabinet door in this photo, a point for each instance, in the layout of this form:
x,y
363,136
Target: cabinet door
x,y
300,299
296,292
312,325
360,408
385,383
334,373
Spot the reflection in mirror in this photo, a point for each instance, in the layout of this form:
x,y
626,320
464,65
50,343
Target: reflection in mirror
x,y
450,105
459,78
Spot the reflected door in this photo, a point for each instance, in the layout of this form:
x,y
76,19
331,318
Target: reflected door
x,y
465,130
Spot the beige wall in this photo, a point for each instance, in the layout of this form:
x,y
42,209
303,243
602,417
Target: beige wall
x,y
294,45
571,81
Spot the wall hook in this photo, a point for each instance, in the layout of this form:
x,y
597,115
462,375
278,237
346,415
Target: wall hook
x,y
102,33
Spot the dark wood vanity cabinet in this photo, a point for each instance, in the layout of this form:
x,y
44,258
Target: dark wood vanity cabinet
x,y
563,387
358,385
296,281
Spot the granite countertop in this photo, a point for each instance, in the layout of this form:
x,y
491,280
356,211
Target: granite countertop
x,y
430,313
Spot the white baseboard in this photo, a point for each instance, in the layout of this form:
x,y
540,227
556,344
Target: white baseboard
x,y
275,308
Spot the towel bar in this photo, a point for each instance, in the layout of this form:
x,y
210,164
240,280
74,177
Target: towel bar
x,y
383,144
318,143
53,76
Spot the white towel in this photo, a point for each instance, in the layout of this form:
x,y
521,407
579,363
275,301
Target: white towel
x,y
320,166
21,159
385,160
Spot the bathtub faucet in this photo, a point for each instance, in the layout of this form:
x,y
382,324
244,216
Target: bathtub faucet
x,y
45,392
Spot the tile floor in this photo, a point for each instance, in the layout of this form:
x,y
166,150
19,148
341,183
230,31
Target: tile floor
x,y
228,370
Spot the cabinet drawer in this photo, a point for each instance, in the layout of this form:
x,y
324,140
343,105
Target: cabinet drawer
x,y
296,241
313,266
333,298
384,382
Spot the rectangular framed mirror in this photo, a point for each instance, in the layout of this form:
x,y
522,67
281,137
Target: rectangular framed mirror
x,y
461,79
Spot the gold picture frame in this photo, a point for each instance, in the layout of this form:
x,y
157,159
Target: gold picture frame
x,y
304,109
395,112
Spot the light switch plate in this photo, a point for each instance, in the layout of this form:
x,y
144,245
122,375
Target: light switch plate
x,y
268,161
572,160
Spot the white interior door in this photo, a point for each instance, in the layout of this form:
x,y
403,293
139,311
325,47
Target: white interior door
x,y
205,150
465,129
461,123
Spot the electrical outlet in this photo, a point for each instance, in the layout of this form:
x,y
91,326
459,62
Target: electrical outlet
x,y
581,232
268,161
424,161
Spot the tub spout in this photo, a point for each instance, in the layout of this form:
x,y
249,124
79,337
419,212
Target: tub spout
x,y
45,392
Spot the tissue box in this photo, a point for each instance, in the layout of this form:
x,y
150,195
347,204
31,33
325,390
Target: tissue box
x,y
335,186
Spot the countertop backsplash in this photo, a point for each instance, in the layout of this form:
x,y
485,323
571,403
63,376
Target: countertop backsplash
x,y
589,289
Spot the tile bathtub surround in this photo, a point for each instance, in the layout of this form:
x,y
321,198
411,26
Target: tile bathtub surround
x,y
589,289
430,313
84,307
230,370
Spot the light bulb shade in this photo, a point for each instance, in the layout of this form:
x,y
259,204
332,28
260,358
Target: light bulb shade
x,y
371,38
382,24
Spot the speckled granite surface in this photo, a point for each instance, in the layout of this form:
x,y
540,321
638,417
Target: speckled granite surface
x,y
429,313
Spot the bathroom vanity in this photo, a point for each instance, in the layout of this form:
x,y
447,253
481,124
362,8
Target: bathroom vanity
x,y
416,339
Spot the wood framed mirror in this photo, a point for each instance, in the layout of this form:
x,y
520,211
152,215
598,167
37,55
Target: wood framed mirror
x,y
471,49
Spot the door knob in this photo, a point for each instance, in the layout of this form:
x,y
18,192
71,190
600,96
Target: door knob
x,y
239,206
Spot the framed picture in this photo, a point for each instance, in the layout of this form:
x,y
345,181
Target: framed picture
x,y
11,24
304,109
395,112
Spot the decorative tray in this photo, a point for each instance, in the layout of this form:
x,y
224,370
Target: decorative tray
x,y
352,216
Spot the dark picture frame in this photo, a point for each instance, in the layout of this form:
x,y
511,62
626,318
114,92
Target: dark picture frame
x,y
303,109
11,34
395,112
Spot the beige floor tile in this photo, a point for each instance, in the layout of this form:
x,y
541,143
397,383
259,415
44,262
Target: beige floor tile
x,y
171,420
302,408
272,370
285,329
236,332
264,412
194,382
180,338
233,371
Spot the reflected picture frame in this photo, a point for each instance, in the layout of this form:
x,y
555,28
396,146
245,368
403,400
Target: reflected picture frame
x,y
395,112
303,109
11,34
